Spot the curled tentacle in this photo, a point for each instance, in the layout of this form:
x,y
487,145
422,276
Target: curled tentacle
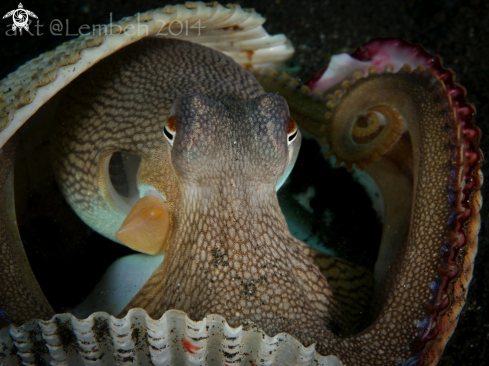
x,y
437,147
430,155
360,129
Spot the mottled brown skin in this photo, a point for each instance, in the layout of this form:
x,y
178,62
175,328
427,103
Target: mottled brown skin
x,y
232,253
21,298
229,249
426,163
424,106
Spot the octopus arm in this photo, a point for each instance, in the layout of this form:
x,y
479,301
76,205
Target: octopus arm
x,y
21,298
413,131
352,286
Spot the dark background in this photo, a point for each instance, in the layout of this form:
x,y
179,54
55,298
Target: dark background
x,y
456,30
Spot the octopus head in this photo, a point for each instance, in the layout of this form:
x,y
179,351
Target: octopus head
x,y
237,143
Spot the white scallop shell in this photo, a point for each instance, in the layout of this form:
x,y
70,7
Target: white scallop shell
x,y
232,30
102,339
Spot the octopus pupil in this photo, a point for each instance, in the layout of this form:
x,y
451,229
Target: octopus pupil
x,y
293,136
167,133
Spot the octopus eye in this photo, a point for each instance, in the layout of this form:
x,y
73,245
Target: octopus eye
x,y
292,131
170,129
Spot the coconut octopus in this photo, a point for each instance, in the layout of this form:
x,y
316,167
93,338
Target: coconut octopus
x,y
176,145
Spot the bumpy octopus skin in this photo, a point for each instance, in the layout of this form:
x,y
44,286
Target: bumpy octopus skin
x,y
229,251
21,298
413,131
416,132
